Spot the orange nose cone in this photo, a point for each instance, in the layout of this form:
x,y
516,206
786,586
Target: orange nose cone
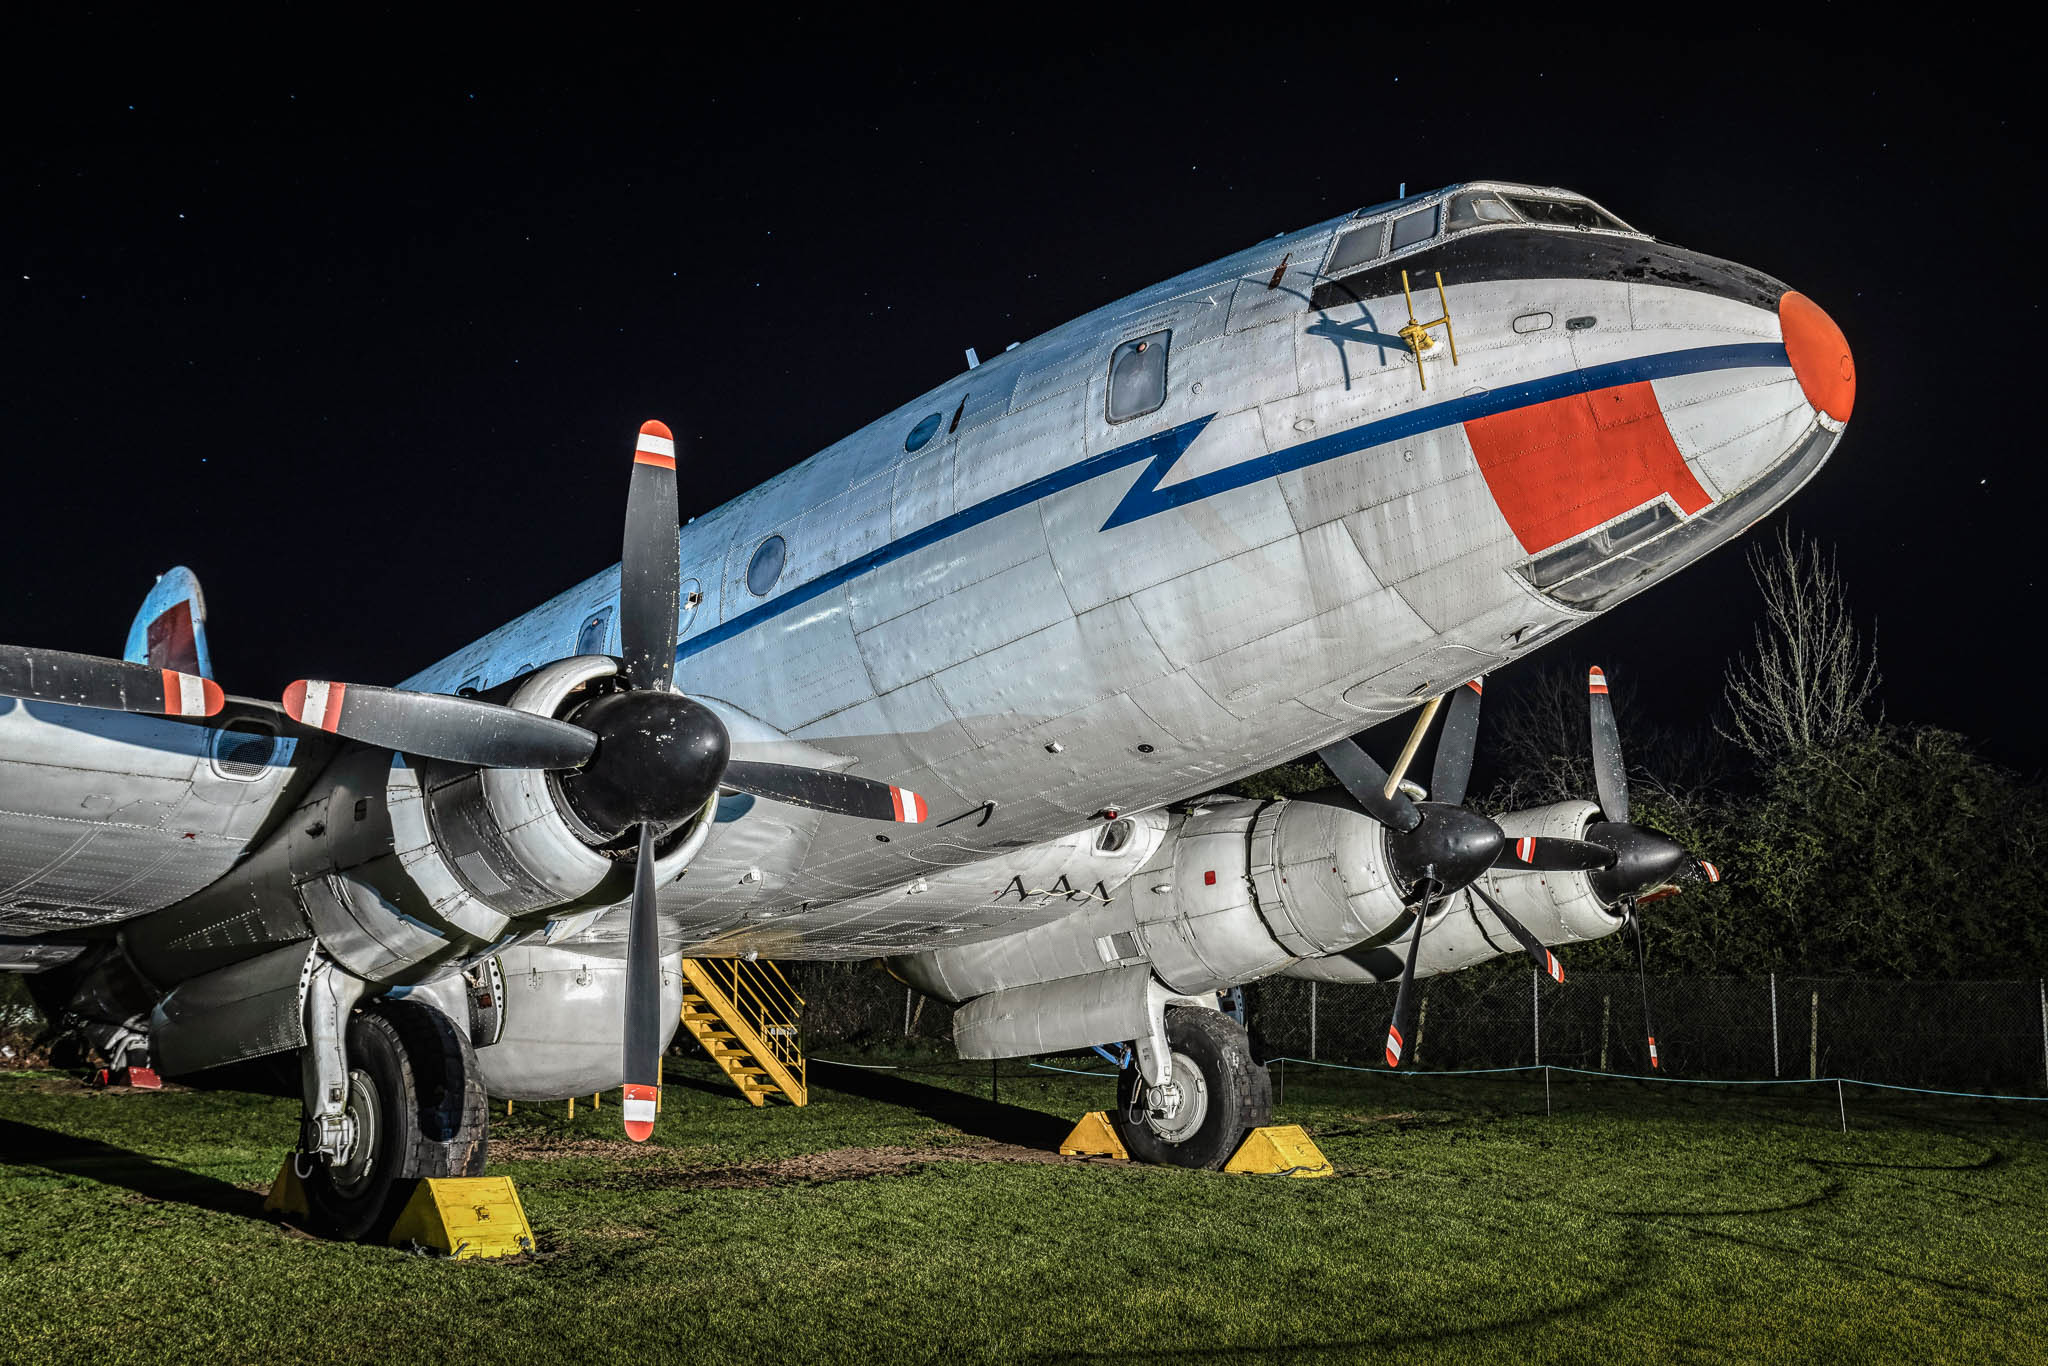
x,y
1819,355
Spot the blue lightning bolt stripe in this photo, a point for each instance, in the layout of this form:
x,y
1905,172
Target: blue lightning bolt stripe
x,y
1158,453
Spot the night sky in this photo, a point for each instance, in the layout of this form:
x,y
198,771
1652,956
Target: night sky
x,y
365,343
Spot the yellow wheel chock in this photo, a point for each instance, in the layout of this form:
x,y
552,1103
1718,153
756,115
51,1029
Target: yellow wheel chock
x,y
1094,1136
457,1216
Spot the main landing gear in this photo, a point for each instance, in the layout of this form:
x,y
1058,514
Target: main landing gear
x,y
415,1108
1217,1094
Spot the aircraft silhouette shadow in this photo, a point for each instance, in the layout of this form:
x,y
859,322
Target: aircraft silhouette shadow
x,y
28,1145
977,1115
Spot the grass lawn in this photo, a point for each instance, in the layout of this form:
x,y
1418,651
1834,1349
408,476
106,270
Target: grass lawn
x,y
903,1216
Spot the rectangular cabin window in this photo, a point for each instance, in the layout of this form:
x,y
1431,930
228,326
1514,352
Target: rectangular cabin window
x,y
1564,213
595,631
1357,247
1137,376
1411,228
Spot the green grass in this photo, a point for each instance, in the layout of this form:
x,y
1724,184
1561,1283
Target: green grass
x,y
1634,1224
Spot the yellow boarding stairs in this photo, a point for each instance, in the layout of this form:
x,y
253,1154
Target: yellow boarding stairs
x,y
745,1015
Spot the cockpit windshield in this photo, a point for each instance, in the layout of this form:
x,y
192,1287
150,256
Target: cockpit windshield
x,y
1475,207
1564,213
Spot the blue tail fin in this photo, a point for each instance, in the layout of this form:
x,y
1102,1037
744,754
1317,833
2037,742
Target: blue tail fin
x,y
169,632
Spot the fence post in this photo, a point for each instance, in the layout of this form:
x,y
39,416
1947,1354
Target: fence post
x,y
1536,1017
1774,1024
906,1012
1312,1019
1813,1041
1606,1008
2044,1028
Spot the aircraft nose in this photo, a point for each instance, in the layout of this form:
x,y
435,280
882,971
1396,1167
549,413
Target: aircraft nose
x,y
1819,354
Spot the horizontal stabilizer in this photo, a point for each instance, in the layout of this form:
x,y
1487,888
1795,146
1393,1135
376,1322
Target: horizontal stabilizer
x,y
169,632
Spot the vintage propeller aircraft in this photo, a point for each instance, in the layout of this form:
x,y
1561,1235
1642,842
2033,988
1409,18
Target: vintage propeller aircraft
x,y
951,693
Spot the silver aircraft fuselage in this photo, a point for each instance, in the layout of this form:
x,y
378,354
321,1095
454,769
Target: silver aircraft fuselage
x,y
1036,609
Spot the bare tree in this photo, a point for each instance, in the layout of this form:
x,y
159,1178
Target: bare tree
x,y
1810,680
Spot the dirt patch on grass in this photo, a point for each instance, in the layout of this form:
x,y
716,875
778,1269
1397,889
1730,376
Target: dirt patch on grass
x,y
813,1169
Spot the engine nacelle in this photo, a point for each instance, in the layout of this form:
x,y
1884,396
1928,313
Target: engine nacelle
x,y
558,1034
1234,892
401,868
1560,908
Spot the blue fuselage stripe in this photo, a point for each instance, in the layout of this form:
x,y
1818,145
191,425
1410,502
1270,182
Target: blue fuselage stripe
x,y
1162,449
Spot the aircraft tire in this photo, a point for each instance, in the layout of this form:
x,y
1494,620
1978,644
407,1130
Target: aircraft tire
x,y
415,1088
1212,1057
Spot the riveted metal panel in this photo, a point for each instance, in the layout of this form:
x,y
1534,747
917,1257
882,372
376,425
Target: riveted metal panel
x,y
968,622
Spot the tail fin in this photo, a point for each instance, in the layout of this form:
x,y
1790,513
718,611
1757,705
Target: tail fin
x,y
169,632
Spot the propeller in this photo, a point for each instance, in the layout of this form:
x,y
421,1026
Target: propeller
x,y
108,684
1440,846
1647,865
633,762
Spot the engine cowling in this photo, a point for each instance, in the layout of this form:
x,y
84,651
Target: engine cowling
x,y
1234,892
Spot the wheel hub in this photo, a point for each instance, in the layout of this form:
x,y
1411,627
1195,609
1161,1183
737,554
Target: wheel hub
x,y
363,1125
1176,1110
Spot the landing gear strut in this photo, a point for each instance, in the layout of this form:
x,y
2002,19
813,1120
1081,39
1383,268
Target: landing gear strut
x,y
415,1108
1217,1094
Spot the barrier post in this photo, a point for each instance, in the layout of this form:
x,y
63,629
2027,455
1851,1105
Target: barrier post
x,y
1774,1024
1813,1041
1606,1007
1312,1020
1536,1019
2044,1028
1841,1105
906,1012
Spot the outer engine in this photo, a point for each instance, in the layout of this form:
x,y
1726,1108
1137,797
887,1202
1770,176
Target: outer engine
x,y
403,873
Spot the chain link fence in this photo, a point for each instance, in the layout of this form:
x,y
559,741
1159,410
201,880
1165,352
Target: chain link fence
x,y
1954,1036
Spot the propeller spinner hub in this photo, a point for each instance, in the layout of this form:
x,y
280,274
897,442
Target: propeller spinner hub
x,y
1452,846
659,757
1642,859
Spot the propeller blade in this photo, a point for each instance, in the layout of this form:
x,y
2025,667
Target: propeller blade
x,y
1635,928
1366,781
1549,854
1538,953
822,790
1397,1032
643,998
650,573
109,684
432,725
1609,775
1453,768
1709,871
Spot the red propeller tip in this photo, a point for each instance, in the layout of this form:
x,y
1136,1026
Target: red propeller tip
x,y
1556,968
1713,873
656,446
1393,1048
639,1113
1525,849
1654,1064
1596,681
1476,685
314,703
910,808
191,695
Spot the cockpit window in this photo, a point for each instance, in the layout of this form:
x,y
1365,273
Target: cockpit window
x,y
1565,213
1137,377
1474,208
1411,228
1357,247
